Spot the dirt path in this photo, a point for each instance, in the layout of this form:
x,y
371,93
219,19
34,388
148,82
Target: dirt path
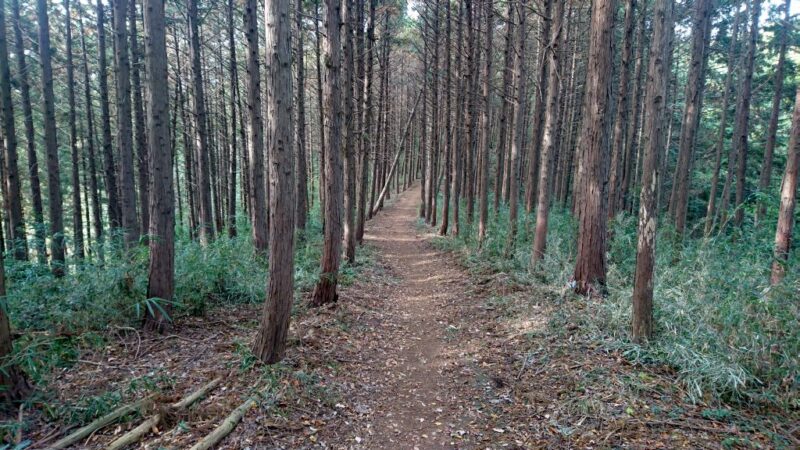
x,y
415,403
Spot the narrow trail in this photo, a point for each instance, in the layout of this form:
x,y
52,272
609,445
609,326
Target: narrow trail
x,y
415,368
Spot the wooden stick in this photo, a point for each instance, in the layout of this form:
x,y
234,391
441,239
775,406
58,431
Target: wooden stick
x,y
226,426
375,207
135,434
101,422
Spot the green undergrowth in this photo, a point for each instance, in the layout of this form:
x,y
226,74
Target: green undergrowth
x,y
726,333
56,319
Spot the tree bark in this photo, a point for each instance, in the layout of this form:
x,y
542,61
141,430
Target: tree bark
x,y
18,238
366,136
549,135
590,266
112,192
255,145
325,290
506,112
448,147
301,210
783,232
483,215
348,73
161,274
77,214
691,113
140,133
14,386
233,72
270,343
55,206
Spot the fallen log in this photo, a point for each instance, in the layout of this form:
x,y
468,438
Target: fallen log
x,y
227,425
101,422
137,433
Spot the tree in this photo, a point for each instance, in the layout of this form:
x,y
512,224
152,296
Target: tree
x,y
140,134
701,27
517,133
13,185
301,211
549,137
485,126
448,147
769,149
161,274
56,210
233,72
13,384
348,73
590,265
783,231
77,215
325,290
366,120
255,144
270,343
201,146
109,167
655,140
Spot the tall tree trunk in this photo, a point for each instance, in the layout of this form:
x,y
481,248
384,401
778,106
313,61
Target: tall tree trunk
x,y
633,131
711,212
94,189
55,206
301,210
255,145
518,132
233,73
448,146
506,112
549,135
535,146
432,178
270,343
348,73
109,168
325,290
320,107
590,266
483,215
458,144
366,136
766,168
783,232
691,113
201,145
655,134
14,386
18,238
140,134
77,214
30,135
161,274
623,111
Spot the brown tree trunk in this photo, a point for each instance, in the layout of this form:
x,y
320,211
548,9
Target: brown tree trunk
x,y
461,97
270,343
711,211
486,127
348,73
109,168
233,73
590,266
301,210
77,214
655,134
325,290
623,112
320,106
18,238
535,146
783,232
691,113
14,386
448,147
506,112
55,206
366,136
255,145
518,132
766,168
201,146
161,274
94,190
140,134
549,135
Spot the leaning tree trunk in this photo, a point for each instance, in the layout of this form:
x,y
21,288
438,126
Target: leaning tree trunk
x,y
590,265
270,343
161,277
655,141
255,145
783,232
13,185
55,206
325,290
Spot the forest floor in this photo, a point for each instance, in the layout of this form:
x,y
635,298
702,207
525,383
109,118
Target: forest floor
x,y
418,353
